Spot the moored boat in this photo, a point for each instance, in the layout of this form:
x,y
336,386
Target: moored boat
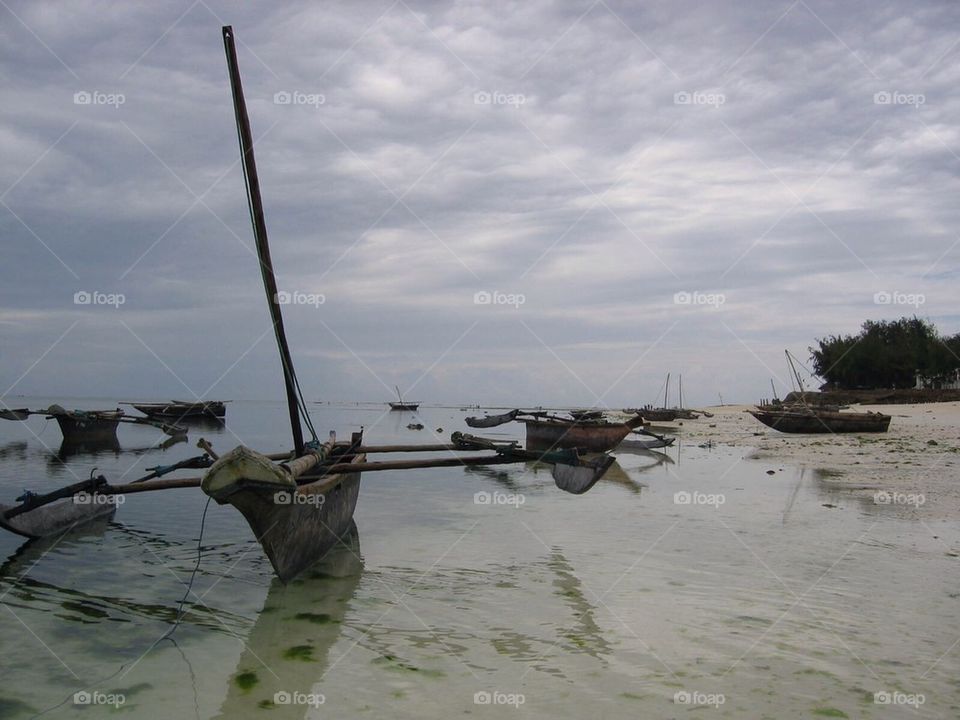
x,y
402,404
813,420
183,410
589,436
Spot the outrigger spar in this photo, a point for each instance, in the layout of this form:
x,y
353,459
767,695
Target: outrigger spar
x,y
299,504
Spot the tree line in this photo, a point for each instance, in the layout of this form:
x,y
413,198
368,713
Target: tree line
x,y
886,354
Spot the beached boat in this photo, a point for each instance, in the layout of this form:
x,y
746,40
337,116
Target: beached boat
x,y
402,404
799,419
182,410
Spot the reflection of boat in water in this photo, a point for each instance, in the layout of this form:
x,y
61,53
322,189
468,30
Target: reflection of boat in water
x,y
285,654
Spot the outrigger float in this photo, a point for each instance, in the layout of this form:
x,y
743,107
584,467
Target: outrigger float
x,y
90,426
298,504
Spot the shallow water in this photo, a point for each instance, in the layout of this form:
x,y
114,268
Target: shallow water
x,y
753,600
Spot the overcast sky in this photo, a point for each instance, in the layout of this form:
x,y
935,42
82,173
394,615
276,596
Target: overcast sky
x,y
638,188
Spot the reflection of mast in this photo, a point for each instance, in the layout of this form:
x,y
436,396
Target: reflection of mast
x,y
585,634
285,654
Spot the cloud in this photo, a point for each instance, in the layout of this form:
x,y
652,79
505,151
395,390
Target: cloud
x,y
595,158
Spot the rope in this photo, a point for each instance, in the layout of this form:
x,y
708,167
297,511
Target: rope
x,y
168,635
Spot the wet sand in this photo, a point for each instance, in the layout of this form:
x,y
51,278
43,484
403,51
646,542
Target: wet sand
x,y
918,455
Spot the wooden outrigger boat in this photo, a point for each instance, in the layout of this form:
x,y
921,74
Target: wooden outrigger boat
x,y
183,410
89,426
813,420
403,404
298,504
800,416
546,432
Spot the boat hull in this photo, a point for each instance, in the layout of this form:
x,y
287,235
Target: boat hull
x,y
404,406
296,533
183,411
590,437
823,422
101,427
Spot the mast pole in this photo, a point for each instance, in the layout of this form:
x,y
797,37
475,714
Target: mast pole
x,y
260,235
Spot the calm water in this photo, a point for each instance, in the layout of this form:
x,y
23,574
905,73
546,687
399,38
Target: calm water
x,y
753,600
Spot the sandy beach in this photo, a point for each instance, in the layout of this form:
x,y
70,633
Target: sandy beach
x,y
918,456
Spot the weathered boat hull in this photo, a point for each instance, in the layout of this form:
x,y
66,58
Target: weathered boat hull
x,y
658,414
182,411
296,526
822,422
100,427
404,406
590,437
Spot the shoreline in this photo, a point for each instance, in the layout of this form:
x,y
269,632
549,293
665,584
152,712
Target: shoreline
x,y
914,466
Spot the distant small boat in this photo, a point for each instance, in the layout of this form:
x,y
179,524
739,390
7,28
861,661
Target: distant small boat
x,y
402,404
800,419
183,410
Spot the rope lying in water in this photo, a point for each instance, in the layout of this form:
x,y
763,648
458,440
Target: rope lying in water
x,y
168,635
